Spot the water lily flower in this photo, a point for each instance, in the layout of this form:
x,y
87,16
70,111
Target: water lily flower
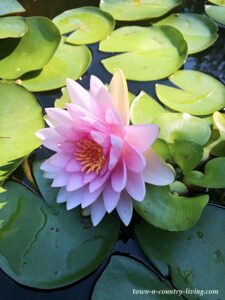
x,y
101,161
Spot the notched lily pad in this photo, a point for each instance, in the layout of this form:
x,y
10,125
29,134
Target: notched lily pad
x,y
10,7
45,246
32,52
217,13
170,211
155,52
196,93
198,30
131,10
69,61
90,24
12,27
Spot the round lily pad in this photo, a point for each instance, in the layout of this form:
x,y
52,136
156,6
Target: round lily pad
x,y
170,211
193,259
195,93
32,52
10,7
144,109
198,30
69,61
13,27
155,52
217,13
125,278
131,10
90,24
177,126
20,118
52,248
218,2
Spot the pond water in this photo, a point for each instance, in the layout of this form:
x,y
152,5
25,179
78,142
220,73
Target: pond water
x,y
211,61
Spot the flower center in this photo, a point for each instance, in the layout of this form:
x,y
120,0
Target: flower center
x,y
90,155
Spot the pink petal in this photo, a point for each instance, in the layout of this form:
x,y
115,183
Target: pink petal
x,y
88,177
119,92
60,159
49,175
60,180
135,185
78,94
115,151
125,208
99,137
97,211
53,144
98,182
67,132
68,147
74,199
47,133
74,182
111,117
60,116
73,166
141,136
110,197
89,198
62,195
95,85
103,101
47,167
157,171
119,176
134,159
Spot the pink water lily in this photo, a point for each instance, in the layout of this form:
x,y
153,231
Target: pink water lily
x,y
101,162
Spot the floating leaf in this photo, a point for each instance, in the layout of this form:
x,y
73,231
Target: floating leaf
x,y
213,177
144,109
188,256
161,148
32,51
61,102
186,154
198,30
10,7
69,61
218,2
155,52
170,211
52,248
217,13
196,93
90,24
177,126
20,118
123,276
130,10
13,27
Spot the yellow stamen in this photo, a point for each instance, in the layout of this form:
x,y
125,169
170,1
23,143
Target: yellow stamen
x,y
90,154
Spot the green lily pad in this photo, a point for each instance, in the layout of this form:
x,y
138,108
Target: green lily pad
x,y
20,118
161,148
196,93
90,24
177,126
124,278
32,52
198,30
131,10
188,256
218,2
217,13
155,52
186,154
13,27
61,102
170,211
219,150
54,240
10,7
213,177
144,109
69,61
219,121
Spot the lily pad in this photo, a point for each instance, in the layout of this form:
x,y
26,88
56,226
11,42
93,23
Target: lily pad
x,y
186,154
20,118
170,211
32,52
90,24
177,126
61,102
131,10
13,27
217,13
51,249
218,2
125,278
213,177
69,61
196,93
188,256
155,52
198,30
161,148
144,109
10,7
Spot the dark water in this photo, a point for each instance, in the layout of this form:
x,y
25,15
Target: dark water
x,y
211,61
